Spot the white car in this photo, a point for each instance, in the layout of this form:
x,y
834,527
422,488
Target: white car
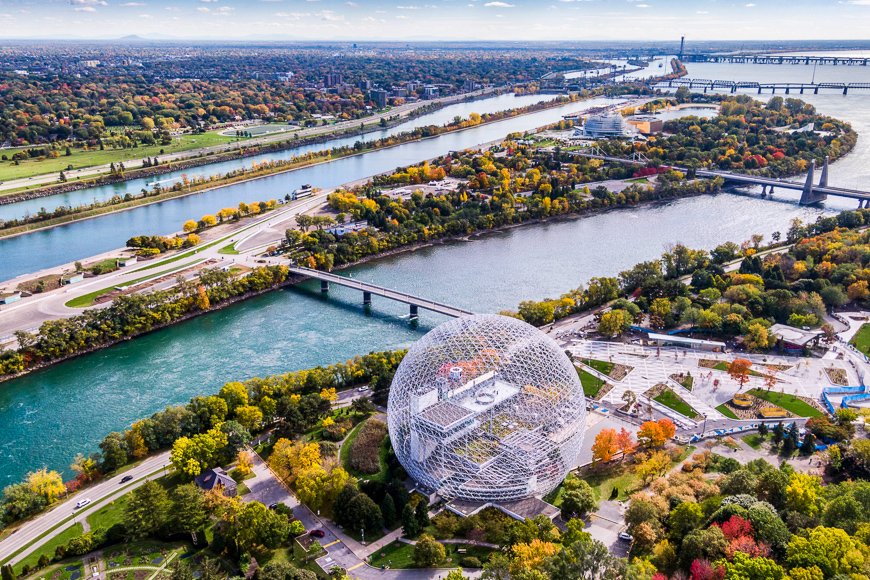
x,y
363,389
82,503
625,536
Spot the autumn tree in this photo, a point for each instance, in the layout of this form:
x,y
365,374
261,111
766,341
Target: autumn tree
x,y
739,370
625,443
655,433
656,465
605,446
614,322
46,484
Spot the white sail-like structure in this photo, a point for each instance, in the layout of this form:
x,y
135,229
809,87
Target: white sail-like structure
x,y
487,408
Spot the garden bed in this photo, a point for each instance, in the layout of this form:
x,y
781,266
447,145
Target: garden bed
x,y
837,376
793,404
661,393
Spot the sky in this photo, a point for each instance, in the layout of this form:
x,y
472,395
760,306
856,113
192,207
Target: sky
x,y
437,19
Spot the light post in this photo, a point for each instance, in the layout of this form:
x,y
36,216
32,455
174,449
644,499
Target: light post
x,y
362,532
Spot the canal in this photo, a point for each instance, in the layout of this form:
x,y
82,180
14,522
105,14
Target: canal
x,y
51,415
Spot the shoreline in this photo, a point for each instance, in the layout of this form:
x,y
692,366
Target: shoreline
x,y
46,225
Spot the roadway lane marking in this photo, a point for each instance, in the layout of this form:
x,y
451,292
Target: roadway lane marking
x,y
355,566
332,543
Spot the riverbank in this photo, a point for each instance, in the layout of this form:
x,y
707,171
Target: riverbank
x,y
317,158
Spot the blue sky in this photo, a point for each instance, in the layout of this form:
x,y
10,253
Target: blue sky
x,y
438,19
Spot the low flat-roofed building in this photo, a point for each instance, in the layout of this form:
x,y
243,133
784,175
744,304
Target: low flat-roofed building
x,y
793,338
646,124
685,341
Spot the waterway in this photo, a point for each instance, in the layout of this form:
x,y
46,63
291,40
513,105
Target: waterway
x,y
49,416
63,244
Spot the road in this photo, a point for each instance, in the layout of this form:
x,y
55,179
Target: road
x,y
150,468
28,313
401,111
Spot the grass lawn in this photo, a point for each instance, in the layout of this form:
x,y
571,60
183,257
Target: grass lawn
x,y
49,547
601,366
88,299
591,384
401,555
755,440
110,514
81,158
861,340
788,402
229,249
668,398
618,477
726,410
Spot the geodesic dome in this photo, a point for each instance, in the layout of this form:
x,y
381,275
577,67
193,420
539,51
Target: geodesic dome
x,y
486,408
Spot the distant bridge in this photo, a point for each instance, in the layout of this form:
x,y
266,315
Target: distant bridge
x,y
810,193
759,87
368,290
778,59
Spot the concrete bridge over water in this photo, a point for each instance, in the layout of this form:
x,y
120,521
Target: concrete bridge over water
x,y
759,87
811,193
369,290
778,59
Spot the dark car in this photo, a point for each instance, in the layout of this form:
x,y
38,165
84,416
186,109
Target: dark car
x,y
126,478
273,506
317,533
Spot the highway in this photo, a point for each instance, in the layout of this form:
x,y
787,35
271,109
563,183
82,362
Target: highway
x,y
134,163
151,468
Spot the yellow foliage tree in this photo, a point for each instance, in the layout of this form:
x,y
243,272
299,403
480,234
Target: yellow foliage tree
x,y
45,483
531,556
290,458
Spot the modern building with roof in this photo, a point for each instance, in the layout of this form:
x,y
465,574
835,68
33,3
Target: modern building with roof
x,y
603,126
487,410
791,338
685,341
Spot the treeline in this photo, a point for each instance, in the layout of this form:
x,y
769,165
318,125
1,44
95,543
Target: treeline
x,y
209,429
131,315
823,269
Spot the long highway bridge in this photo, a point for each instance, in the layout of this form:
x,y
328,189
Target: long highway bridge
x,y
759,87
810,192
778,59
369,290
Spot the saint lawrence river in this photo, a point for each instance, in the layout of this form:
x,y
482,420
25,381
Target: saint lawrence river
x,y
51,415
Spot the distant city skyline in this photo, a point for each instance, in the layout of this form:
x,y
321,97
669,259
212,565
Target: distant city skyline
x,y
437,19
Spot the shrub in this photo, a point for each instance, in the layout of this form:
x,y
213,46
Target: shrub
x,y
365,450
470,562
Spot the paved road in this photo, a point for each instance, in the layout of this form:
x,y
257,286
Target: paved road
x,y
401,111
151,468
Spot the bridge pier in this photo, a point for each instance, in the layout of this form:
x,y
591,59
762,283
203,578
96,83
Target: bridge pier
x,y
414,315
823,180
763,190
367,298
808,196
324,286
845,89
816,90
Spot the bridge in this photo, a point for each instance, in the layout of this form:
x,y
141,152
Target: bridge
x,y
777,59
368,290
759,87
810,193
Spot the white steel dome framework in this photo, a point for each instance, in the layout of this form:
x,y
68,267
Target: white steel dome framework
x,y
487,408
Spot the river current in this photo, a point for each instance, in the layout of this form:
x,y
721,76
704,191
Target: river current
x,y
49,416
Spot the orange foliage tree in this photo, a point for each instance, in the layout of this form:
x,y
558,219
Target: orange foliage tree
x,y
739,371
605,446
655,433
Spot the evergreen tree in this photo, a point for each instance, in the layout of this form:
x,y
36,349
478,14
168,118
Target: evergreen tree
x,y
809,443
762,429
422,513
388,510
8,573
778,433
410,525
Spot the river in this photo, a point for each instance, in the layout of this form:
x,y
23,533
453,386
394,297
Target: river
x,y
51,415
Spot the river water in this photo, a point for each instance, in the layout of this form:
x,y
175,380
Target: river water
x,y
49,416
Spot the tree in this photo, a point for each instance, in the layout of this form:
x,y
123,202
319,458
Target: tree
x,y
585,558
202,299
657,464
684,518
745,567
192,455
235,394
829,549
410,526
605,446
428,552
147,510
709,544
625,443
388,510
46,484
251,525
804,493
87,467
190,226
421,512
614,322
655,433
579,501
290,458
363,514
244,463
738,370
188,511
250,417
8,573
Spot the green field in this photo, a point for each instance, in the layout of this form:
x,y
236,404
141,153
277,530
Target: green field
x,y
861,340
788,402
670,399
591,384
755,440
601,366
80,158
400,555
49,547
110,514
726,410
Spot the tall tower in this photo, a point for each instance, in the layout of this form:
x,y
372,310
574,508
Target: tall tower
x,y
682,46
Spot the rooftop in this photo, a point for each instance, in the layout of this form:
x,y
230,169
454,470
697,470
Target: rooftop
x,y
793,335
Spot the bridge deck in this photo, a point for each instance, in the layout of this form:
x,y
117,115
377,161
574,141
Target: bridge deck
x,y
375,290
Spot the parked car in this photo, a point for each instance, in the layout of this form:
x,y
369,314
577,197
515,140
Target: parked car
x,y
317,533
82,503
126,478
625,536
363,389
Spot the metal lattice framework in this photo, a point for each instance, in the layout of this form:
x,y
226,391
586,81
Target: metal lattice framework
x,y
487,408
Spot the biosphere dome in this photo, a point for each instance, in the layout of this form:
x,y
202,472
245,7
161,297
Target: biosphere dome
x,y
486,408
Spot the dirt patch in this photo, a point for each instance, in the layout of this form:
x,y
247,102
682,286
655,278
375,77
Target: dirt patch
x,y
619,372
605,388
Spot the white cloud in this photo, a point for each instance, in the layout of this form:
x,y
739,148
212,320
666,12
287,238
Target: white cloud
x,y
85,9
498,4
750,5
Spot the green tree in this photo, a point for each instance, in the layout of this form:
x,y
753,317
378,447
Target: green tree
x,y
683,519
147,510
428,552
614,322
804,493
745,567
189,512
830,549
585,558
410,525
388,510
421,512
579,501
